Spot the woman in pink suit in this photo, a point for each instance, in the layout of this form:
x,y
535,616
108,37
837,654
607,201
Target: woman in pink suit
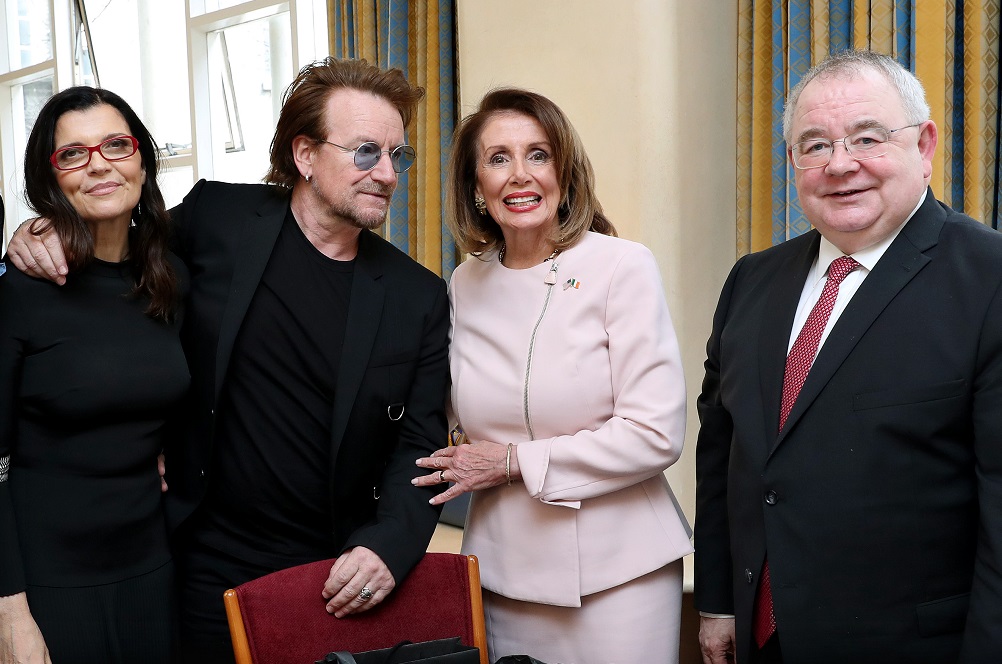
x,y
567,382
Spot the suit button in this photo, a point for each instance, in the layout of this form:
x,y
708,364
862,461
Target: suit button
x,y
771,498
749,577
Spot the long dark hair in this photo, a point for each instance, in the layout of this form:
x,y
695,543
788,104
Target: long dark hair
x,y
148,241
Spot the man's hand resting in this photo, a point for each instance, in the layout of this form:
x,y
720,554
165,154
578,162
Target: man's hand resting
x,y
38,255
716,640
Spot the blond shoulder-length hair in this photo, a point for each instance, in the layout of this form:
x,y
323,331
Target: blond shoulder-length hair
x,y
579,210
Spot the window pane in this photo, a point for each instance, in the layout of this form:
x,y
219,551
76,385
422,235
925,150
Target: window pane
x,y
152,78
83,65
250,65
214,5
26,101
30,39
175,182
33,97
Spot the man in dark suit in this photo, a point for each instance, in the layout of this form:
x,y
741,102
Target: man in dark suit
x,y
849,460
319,362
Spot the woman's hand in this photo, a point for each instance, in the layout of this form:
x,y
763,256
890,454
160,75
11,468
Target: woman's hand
x,y
162,470
479,465
21,641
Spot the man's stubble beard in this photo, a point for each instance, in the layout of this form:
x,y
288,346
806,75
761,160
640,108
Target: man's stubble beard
x,y
342,208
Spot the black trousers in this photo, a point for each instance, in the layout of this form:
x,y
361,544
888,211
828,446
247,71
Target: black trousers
x,y
125,622
204,574
769,654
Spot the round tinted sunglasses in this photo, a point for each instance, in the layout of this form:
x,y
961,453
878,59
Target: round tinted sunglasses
x,y
368,154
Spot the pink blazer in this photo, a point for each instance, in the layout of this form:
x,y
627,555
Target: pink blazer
x,y
604,398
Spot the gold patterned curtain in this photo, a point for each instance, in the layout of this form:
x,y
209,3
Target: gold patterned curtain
x,y
418,37
951,45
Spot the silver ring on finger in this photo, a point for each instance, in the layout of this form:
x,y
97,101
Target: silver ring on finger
x,y
441,476
365,594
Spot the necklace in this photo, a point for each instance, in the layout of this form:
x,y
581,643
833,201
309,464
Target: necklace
x,y
505,246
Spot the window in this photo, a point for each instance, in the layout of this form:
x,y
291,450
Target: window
x,y
249,67
206,76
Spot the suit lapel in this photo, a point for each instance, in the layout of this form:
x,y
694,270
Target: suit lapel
x,y
781,309
250,257
364,315
904,259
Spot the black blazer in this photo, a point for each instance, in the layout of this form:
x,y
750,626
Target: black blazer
x,y
394,360
880,504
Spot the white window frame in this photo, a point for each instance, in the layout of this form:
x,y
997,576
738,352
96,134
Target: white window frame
x,y
59,67
308,20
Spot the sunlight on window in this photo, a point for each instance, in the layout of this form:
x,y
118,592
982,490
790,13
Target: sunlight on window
x,y
249,68
34,33
214,5
26,100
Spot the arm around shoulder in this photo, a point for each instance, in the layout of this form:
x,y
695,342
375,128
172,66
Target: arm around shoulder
x,y
38,255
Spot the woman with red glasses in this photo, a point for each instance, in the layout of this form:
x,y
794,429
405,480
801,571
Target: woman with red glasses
x,y
89,374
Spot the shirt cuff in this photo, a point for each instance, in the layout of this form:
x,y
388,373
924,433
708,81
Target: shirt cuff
x,y
706,614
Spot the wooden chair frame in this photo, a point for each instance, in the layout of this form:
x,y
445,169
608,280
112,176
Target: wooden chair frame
x,y
241,644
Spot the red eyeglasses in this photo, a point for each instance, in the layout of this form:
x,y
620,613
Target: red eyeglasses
x,y
73,157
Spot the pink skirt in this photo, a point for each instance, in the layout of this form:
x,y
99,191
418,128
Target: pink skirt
x,y
634,622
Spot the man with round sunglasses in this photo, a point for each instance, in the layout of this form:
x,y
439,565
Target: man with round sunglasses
x,y
368,154
318,354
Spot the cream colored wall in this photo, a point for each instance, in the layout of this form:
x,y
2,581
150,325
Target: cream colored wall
x,y
650,86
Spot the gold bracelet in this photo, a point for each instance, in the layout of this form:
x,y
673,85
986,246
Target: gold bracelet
x,y
507,465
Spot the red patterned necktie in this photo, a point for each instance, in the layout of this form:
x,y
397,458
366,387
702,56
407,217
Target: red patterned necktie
x,y
798,365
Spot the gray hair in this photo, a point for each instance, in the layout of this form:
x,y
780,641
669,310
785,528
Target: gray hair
x,y
849,63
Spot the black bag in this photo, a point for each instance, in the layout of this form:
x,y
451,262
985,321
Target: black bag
x,y
518,659
440,651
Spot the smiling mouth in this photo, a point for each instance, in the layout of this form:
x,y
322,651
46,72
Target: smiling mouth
x,y
103,188
381,192
520,201
850,192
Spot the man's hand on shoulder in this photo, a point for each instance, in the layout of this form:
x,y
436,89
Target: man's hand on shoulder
x,y
716,640
38,255
359,580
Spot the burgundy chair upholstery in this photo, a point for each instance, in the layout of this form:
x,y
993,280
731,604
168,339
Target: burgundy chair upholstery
x,y
280,618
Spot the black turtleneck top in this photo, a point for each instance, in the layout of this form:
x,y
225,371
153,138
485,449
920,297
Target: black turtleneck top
x,y
88,382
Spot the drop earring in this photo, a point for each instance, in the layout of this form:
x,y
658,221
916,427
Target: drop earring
x,y
480,203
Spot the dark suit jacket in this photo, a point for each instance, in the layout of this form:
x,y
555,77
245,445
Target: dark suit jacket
x,y
394,360
880,504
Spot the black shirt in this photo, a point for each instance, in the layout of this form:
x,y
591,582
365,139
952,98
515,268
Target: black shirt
x,y
87,383
269,497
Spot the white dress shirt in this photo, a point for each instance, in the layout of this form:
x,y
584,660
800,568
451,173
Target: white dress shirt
x,y
818,276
